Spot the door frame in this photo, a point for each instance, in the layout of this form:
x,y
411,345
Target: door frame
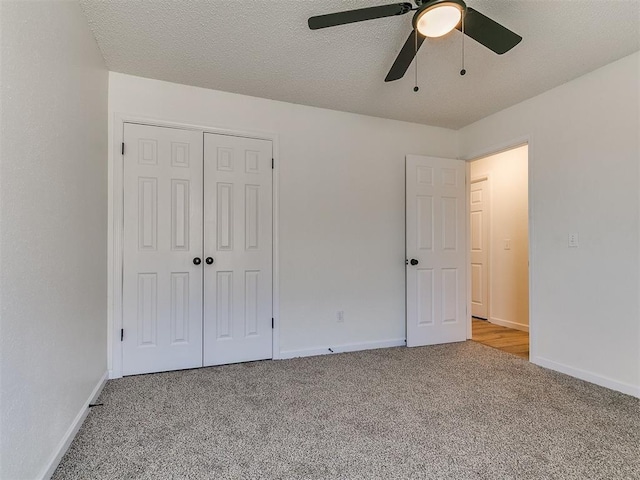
x,y
115,247
493,150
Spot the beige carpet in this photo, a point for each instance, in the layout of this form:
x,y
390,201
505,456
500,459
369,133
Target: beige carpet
x,y
462,411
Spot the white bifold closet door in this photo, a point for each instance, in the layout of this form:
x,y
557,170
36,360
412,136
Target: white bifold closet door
x,y
197,252
162,287
436,250
238,239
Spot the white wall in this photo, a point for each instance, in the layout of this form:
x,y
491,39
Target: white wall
x,y
584,159
508,203
341,204
53,213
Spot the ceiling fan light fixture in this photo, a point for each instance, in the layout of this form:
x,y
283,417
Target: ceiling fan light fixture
x,y
437,18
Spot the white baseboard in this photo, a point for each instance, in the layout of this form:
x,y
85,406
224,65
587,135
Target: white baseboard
x,y
509,324
352,347
64,444
590,377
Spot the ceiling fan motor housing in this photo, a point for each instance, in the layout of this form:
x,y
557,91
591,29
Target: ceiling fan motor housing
x,y
431,3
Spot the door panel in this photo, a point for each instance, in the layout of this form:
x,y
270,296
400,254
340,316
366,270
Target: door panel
x,y
435,222
238,236
479,206
162,288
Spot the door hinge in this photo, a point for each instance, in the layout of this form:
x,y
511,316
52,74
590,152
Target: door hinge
x,y
272,323
122,334
273,163
122,151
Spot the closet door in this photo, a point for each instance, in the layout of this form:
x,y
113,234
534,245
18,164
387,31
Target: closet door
x,y
162,283
238,249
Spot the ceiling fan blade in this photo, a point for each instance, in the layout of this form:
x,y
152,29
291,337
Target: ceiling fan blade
x,y
405,57
488,32
359,15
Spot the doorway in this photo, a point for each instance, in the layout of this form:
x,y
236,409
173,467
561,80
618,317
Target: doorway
x,y
499,250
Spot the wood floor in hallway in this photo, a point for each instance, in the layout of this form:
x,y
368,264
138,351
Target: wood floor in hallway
x,y
502,338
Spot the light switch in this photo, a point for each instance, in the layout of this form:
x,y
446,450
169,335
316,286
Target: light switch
x,y
507,244
573,240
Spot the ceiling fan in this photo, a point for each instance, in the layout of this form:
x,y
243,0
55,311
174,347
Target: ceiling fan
x,y
433,18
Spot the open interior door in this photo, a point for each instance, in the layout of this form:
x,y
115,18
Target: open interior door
x,y
436,250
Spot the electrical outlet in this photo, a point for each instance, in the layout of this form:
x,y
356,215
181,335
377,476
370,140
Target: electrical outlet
x,y
340,316
573,240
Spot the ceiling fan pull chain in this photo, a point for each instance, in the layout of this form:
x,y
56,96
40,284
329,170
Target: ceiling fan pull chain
x,y
415,43
463,71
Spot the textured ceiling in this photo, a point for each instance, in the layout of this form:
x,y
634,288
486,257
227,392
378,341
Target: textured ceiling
x,y
265,49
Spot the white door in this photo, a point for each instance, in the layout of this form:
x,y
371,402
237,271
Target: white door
x,y
479,224
162,287
238,249
436,251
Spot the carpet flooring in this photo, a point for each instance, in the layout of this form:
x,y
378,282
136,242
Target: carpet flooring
x,y
461,411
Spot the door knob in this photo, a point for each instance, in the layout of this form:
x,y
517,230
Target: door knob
x,y
209,260
197,261
414,261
